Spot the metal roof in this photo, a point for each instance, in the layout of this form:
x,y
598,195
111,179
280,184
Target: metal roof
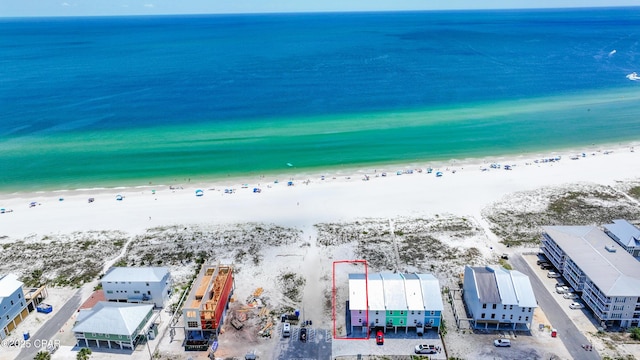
x,y
523,289
376,292
357,292
413,292
112,318
505,286
487,287
614,271
431,296
627,234
135,274
394,296
9,283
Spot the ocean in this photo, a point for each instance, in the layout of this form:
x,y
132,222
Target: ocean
x,y
132,101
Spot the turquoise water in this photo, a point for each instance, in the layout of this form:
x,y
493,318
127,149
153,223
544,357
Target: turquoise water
x,y
132,101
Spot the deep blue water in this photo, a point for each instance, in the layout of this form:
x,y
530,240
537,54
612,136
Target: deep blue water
x,y
101,77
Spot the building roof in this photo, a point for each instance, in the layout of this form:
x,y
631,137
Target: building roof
x,y
486,283
9,283
112,318
497,285
394,296
431,296
96,297
376,293
626,234
413,292
357,292
614,271
135,274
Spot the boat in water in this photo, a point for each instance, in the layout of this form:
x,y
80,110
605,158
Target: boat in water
x,y
633,76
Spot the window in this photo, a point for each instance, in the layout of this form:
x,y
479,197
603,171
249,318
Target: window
x,y
21,304
494,306
11,302
401,322
390,312
503,316
511,317
530,309
415,321
484,306
360,321
376,312
107,336
504,307
482,316
7,317
136,291
109,291
412,312
359,311
618,307
377,321
147,284
432,313
401,312
519,318
19,296
119,336
493,316
510,307
526,318
192,324
522,309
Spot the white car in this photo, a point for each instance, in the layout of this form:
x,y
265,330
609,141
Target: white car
x,y
571,295
502,342
576,305
553,274
426,349
562,289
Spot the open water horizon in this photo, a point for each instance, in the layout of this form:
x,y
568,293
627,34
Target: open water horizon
x,y
128,101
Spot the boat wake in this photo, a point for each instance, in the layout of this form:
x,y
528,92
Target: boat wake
x,y
633,76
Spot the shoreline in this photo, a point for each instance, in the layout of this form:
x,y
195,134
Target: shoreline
x,y
465,188
331,172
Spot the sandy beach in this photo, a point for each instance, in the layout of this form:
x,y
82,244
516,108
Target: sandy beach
x,y
464,189
461,194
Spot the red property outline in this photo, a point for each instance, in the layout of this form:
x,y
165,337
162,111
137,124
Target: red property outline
x,y
333,297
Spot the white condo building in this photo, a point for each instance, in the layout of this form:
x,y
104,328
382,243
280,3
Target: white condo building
x,y
138,285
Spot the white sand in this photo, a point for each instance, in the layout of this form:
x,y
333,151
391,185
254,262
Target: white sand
x,y
465,192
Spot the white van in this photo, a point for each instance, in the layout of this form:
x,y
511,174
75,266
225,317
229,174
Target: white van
x,y
286,330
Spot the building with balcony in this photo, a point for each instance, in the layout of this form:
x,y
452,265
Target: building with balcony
x,y
147,285
109,325
393,301
13,306
205,308
626,235
594,264
498,299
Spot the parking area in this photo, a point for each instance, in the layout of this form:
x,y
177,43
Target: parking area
x,y
395,344
317,345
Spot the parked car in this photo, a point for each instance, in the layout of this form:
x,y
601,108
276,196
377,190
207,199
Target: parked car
x,y
571,295
379,337
553,275
563,289
426,349
541,261
286,330
502,342
303,334
576,305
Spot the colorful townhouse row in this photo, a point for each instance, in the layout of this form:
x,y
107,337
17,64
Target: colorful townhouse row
x,y
393,301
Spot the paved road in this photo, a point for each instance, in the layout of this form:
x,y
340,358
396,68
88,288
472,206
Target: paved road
x,y
571,337
318,345
51,327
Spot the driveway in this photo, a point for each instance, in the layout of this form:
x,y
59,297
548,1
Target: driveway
x,y
571,336
52,326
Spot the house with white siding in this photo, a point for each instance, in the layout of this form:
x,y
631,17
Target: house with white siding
x,y
595,265
626,235
432,300
498,298
148,285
